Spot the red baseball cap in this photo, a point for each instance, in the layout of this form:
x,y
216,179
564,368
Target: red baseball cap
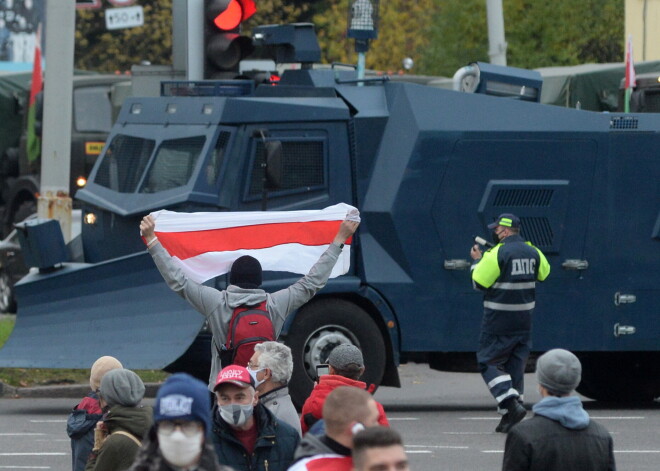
x,y
236,375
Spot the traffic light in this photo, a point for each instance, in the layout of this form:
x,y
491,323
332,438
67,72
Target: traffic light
x,y
224,47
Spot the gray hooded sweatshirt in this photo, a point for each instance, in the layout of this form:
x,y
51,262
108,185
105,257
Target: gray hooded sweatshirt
x,y
218,306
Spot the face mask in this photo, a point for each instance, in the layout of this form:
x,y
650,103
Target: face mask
x,y
179,449
236,414
254,374
496,238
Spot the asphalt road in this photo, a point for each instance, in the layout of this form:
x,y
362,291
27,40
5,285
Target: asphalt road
x,y
446,419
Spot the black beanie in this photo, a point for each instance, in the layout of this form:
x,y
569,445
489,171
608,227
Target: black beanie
x,y
245,272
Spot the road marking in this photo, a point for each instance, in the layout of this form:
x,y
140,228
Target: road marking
x,y
51,421
24,467
467,433
412,452
34,454
614,417
19,434
636,451
402,418
444,447
481,418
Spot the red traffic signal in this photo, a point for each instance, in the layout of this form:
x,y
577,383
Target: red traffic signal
x,y
227,15
224,46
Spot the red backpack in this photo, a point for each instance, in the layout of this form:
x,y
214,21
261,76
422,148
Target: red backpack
x,y
249,325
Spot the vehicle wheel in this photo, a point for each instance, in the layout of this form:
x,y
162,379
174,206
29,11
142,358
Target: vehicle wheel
x,y
620,376
322,325
25,209
7,301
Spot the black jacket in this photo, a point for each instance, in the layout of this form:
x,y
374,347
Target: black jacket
x,y
276,443
542,444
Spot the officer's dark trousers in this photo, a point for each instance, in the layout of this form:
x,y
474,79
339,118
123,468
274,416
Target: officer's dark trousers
x,y
502,360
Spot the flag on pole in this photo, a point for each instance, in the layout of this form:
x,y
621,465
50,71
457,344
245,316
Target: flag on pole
x,y
631,80
34,141
205,245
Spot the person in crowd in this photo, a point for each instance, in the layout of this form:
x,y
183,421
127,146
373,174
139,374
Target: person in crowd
x,y
118,437
271,367
560,436
379,449
507,274
84,416
244,287
346,368
347,410
246,435
180,436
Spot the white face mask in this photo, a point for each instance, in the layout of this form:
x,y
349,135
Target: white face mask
x,y
179,449
254,374
236,414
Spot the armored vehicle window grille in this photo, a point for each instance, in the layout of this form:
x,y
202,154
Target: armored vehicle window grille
x,y
174,164
303,164
624,122
124,162
524,197
537,230
215,162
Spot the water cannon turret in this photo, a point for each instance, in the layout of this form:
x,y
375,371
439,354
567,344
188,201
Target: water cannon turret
x,y
290,43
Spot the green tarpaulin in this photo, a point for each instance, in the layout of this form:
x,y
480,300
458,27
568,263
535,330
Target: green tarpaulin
x,y
594,86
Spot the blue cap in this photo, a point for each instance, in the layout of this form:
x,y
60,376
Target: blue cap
x,y
506,220
182,397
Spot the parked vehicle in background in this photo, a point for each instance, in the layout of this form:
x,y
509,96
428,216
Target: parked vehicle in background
x,y
96,102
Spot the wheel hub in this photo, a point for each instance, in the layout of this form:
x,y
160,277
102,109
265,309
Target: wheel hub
x,y
321,342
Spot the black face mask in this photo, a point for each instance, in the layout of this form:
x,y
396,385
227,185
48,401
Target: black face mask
x,y
496,238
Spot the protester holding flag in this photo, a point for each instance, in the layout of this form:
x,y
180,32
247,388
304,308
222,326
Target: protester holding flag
x,y
199,239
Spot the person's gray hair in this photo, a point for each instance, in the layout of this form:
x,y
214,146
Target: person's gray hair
x,y
277,358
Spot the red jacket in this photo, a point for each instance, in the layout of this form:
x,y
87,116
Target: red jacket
x,y
313,407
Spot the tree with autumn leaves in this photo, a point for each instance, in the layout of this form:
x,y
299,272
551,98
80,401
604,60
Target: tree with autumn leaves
x,y
439,35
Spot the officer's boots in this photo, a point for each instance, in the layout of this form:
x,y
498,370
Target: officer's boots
x,y
515,412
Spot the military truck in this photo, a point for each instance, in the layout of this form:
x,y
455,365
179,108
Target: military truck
x,y
96,102
428,168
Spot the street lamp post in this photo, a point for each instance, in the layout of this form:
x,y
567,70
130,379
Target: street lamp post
x,y
362,26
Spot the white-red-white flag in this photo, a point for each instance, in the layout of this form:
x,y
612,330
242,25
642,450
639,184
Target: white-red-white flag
x,y
206,244
631,80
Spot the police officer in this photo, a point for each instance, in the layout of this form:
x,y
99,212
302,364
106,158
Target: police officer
x,y
507,274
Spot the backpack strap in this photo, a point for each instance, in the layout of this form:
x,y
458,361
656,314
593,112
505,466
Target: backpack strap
x,y
129,435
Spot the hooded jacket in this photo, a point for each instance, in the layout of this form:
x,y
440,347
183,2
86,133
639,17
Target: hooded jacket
x,y
273,450
149,457
80,428
313,453
118,450
312,410
559,437
278,401
218,306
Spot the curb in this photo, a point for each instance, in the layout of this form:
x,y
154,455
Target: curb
x,y
77,391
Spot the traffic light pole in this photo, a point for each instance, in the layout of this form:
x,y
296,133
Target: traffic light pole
x,y
54,201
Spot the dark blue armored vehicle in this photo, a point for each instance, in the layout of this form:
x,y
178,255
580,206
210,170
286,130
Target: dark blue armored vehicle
x,y
428,168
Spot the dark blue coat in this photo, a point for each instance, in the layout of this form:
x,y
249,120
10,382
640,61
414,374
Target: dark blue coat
x,y
276,443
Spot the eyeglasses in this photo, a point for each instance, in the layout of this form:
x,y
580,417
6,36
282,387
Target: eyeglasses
x,y
188,427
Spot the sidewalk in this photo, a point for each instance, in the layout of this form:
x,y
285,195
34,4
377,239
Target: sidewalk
x,y
76,391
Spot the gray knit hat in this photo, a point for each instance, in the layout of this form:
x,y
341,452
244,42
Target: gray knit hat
x,y
559,371
122,387
344,355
